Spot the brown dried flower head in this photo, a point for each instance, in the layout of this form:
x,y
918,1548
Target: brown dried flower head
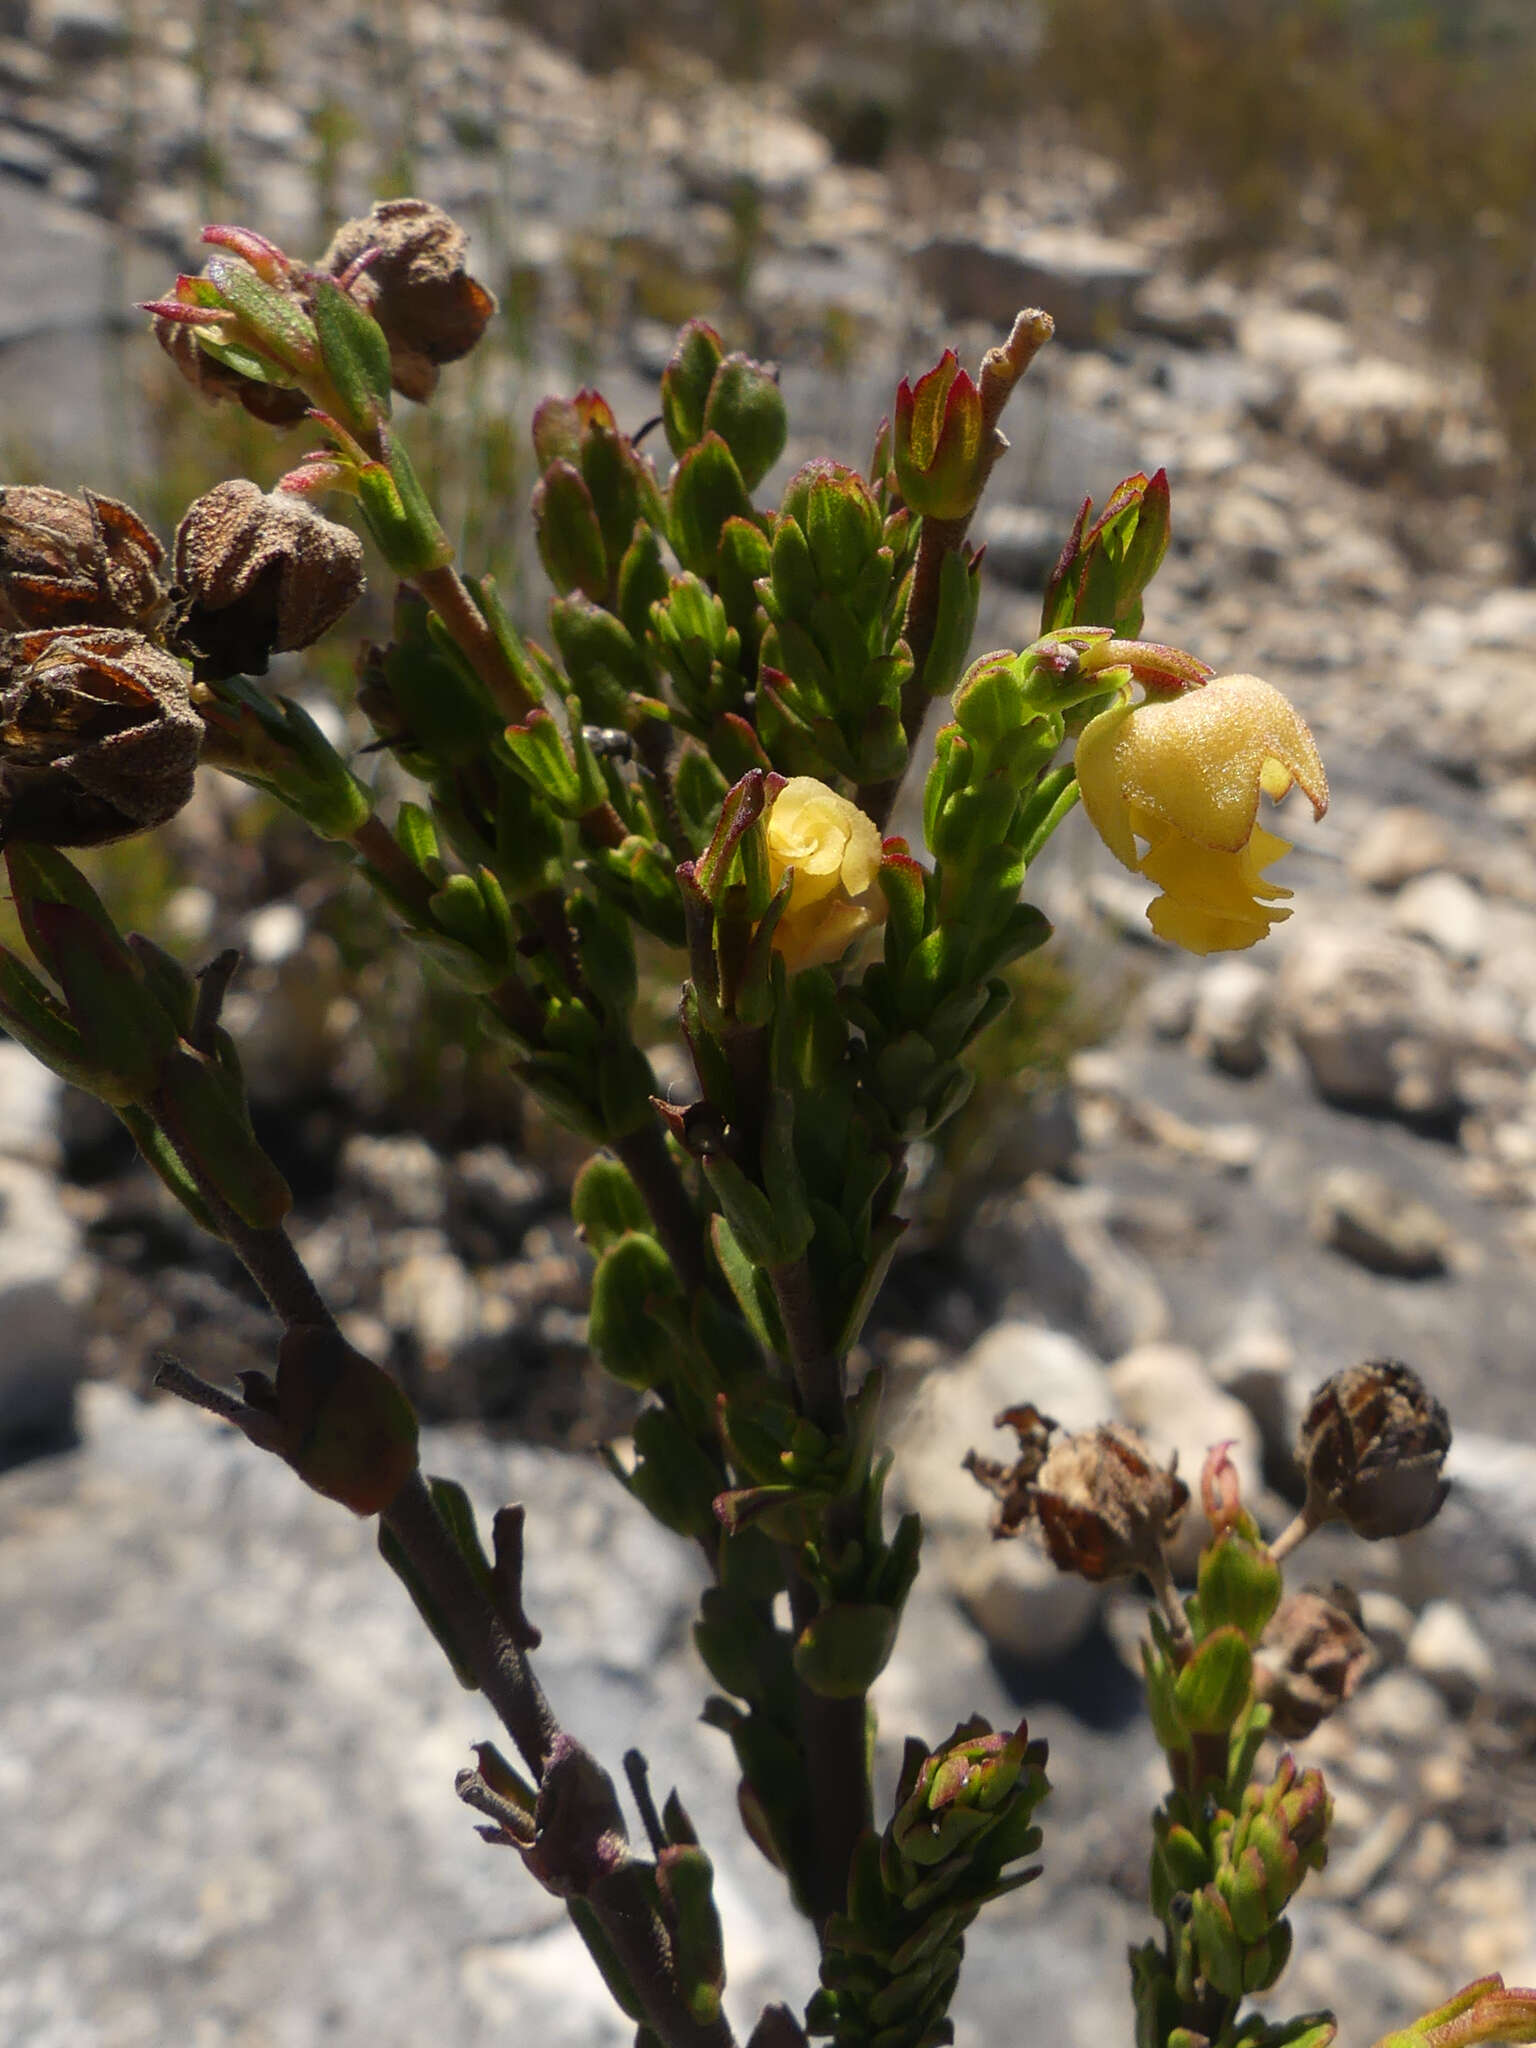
x,y
258,573
1311,1659
415,284
1100,1504
98,737
68,560
1372,1445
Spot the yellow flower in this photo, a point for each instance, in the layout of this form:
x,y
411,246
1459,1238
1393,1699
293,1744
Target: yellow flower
x,y
1184,774
833,852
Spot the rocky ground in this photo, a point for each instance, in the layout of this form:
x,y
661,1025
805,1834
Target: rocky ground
x,y
226,1771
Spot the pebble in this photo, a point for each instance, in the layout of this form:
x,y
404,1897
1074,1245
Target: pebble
x,y
1362,1215
1448,912
1399,1707
1397,845
1446,1648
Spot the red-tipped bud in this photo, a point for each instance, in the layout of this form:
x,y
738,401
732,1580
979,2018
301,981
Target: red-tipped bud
x,y
940,447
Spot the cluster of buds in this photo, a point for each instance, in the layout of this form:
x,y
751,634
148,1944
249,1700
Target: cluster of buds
x,y
248,327
1239,1940
964,1817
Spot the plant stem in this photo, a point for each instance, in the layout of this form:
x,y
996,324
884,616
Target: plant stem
x,y
650,1165
818,1371
479,1633
834,1734
446,592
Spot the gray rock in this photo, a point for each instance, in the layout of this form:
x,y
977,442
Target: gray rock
x,y
81,31
1056,1246
1365,1217
1375,1018
258,1829
1023,542
1258,533
1199,313
1084,281
1010,1589
1233,1004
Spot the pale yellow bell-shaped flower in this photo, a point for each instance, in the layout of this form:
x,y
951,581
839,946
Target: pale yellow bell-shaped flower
x,y
1184,775
834,852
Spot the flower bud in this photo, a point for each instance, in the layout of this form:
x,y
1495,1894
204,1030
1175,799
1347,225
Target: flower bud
x,y
1372,1444
76,561
98,737
1311,1660
258,573
1099,1504
237,327
832,852
414,282
941,454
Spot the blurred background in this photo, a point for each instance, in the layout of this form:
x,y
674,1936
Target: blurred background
x,y
1290,246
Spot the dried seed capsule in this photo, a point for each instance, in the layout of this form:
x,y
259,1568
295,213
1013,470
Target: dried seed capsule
x,y
259,573
98,737
415,284
1372,1443
1312,1658
1102,1507
68,560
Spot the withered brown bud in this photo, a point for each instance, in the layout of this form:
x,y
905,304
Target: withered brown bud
x,y
1372,1443
68,560
1311,1659
275,405
1101,1506
98,737
259,573
415,285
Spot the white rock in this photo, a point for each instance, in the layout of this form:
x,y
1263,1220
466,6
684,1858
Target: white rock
x,y
1256,1363
1011,1590
432,1294
1447,1649
1388,1621
1290,341
1397,845
1398,1707
1066,1265
1372,417
1164,1391
29,1105
1447,911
